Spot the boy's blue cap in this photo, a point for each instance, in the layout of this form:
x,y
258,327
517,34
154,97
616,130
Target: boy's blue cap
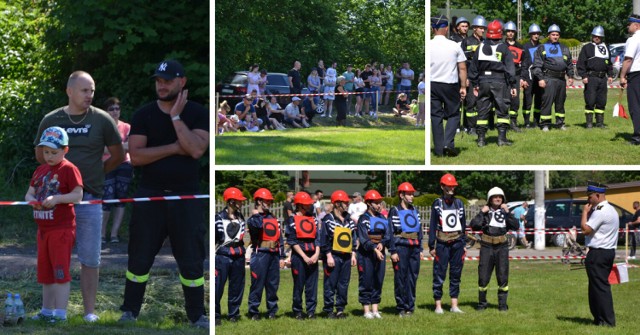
x,y
54,137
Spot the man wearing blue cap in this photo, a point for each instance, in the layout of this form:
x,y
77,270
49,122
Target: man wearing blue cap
x,y
600,223
167,139
630,73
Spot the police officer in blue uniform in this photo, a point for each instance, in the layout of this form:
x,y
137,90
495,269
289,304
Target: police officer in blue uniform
x,y
551,63
494,220
532,95
469,46
338,245
492,74
302,235
447,242
595,68
267,257
404,220
230,253
374,236
600,223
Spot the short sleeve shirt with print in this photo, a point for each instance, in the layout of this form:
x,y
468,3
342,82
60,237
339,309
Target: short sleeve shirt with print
x,y
50,180
87,139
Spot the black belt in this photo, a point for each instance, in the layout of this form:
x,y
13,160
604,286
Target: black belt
x,y
599,74
555,74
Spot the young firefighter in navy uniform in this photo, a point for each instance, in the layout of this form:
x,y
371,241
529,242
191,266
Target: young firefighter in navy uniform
x,y
494,220
517,51
337,243
460,33
268,255
374,235
447,242
594,66
469,46
230,253
404,220
302,235
492,74
551,62
532,95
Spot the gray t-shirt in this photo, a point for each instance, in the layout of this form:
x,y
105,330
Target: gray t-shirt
x,y
88,135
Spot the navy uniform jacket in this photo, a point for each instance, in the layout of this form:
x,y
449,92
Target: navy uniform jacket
x,y
527,61
308,245
394,222
236,229
437,218
469,46
329,223
364,230
256,226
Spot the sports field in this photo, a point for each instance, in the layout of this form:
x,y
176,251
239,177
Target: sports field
x,y
545,297
388,141
575,146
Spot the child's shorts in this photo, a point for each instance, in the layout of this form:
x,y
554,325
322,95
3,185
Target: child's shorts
x,y
54,255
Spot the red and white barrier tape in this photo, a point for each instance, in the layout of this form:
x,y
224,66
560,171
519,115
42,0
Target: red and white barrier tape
x,y
113,201
519,258
582,86
310,94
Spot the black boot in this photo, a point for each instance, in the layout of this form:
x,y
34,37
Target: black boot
x,y
527,123
502,301
514,125
481,137
482,301
600,120
502,137
590,120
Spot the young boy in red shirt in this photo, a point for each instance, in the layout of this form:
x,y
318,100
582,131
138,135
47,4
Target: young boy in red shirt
x,y
55,186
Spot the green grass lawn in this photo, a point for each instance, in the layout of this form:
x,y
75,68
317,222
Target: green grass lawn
x,y
162,312
544,298
390,140
575,146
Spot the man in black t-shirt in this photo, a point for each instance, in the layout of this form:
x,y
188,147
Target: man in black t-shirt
x,y
633,225
402,107
367,87
167,139
295,83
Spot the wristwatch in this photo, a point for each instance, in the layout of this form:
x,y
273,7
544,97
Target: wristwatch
x,y
175,118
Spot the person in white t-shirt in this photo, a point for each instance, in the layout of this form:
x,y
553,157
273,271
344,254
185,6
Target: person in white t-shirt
x,y
357,207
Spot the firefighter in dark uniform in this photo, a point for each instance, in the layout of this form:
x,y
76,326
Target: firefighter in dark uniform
x,y
492,73
338,244
551,63
302,235
494,220
595,68
230,253
267,257
374,235
517,51
462,27
404,220
469,46
532,95
447,242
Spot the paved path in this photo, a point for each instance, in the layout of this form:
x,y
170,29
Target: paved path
x,y
114,256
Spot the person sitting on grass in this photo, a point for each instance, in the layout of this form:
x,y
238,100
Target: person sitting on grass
x,y
55,186
224,123
274,110
263,113
293,116
402,108
310,108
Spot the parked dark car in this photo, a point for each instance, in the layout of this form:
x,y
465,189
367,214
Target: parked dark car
x,y
236,84
566,213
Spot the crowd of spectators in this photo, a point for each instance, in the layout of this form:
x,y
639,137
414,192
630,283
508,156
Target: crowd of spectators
x,y
372,87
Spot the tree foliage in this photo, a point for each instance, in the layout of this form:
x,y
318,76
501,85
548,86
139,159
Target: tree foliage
x,y
276,33
118,42
575,18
